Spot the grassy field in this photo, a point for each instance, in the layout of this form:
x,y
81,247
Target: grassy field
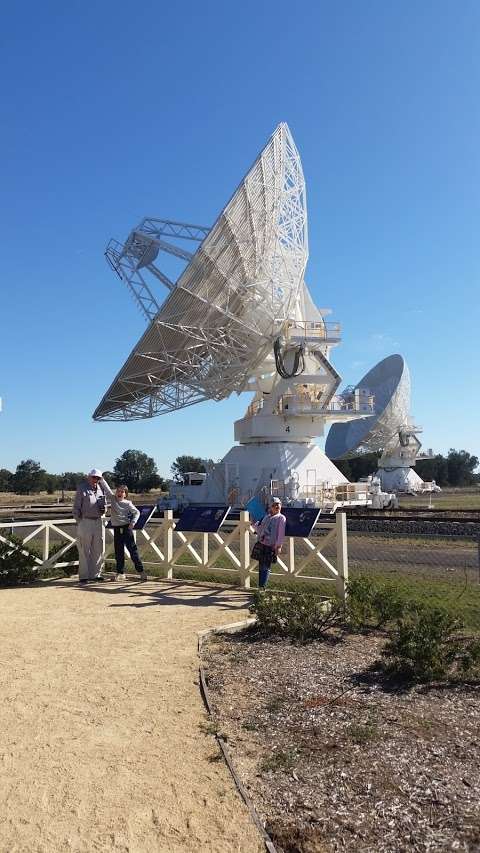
x,y
42,498
468,498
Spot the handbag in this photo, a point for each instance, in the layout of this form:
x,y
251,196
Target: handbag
x,y
263,552
257,551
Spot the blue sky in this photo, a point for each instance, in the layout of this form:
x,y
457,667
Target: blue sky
x,y
112,112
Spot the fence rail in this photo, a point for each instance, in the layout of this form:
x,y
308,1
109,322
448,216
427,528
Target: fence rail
x,y
321,557
431,560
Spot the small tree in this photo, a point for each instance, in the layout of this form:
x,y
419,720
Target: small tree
x,y
29,477
183,464
53,482
71,479
5,480
461,467
151,482
134,468
435,468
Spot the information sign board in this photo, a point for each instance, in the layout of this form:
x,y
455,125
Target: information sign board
x,y
202,519
300,520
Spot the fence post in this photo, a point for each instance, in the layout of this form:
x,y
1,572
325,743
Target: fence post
x,y
342,554
46,542
102,558
168,524
478,559
291,554
204,541
244,532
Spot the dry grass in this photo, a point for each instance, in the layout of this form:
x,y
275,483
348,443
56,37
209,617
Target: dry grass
x,y
468,498
42,498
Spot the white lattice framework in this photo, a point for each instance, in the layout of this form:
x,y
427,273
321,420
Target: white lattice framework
x,y
231,301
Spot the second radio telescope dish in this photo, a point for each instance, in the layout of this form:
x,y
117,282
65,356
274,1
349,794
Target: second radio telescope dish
x,y
389,382
230,302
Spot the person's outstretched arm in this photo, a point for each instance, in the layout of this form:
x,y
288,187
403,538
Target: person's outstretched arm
x,y
106,488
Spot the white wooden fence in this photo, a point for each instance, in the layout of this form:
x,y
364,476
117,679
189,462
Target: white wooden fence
x,y
160,545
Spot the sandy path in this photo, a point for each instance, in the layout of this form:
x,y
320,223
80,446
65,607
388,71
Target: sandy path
x,y
101,746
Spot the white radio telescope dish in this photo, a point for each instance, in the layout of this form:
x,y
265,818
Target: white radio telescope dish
x,y
389,383
221,316
240,318
389,430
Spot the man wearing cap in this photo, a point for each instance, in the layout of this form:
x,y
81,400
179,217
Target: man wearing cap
x,y
88,509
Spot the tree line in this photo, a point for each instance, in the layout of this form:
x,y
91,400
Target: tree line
x,y
133,468
139,472
456,469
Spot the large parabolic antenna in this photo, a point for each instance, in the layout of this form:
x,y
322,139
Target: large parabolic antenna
x,y
240,318
237,290
389,383
389,430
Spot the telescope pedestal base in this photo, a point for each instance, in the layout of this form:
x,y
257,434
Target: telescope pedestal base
x,y
290,470
399,479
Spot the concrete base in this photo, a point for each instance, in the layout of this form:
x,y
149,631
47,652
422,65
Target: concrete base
x,y
399,480
248,468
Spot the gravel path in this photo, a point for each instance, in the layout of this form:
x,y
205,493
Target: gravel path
x,y
102,729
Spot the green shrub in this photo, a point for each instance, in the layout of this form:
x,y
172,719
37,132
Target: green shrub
x,y
16,567
372,603
300,616
69,556
469,658
278,760
423,645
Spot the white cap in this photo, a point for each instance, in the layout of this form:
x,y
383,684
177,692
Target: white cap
x,y
276,501
95,472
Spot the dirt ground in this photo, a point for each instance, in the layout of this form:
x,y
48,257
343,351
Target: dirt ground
x,y
335,758
104,741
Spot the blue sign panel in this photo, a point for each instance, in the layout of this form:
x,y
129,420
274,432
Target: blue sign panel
x,y
300,520
256,509
146,513
202,519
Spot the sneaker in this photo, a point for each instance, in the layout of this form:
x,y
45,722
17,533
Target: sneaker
x,y
97,578
83,581
120,576
142,576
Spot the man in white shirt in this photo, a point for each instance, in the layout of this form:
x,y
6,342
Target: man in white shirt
x,y
88,509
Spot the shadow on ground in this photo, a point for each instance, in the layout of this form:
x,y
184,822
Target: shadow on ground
x,y
176,593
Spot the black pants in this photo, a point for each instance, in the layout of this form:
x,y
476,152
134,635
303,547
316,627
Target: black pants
x,y
123,538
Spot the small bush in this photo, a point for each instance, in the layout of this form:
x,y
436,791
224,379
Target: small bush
x,y
299,616
469,658
363,733
69,556
423,645
278,760
373,603
16,567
